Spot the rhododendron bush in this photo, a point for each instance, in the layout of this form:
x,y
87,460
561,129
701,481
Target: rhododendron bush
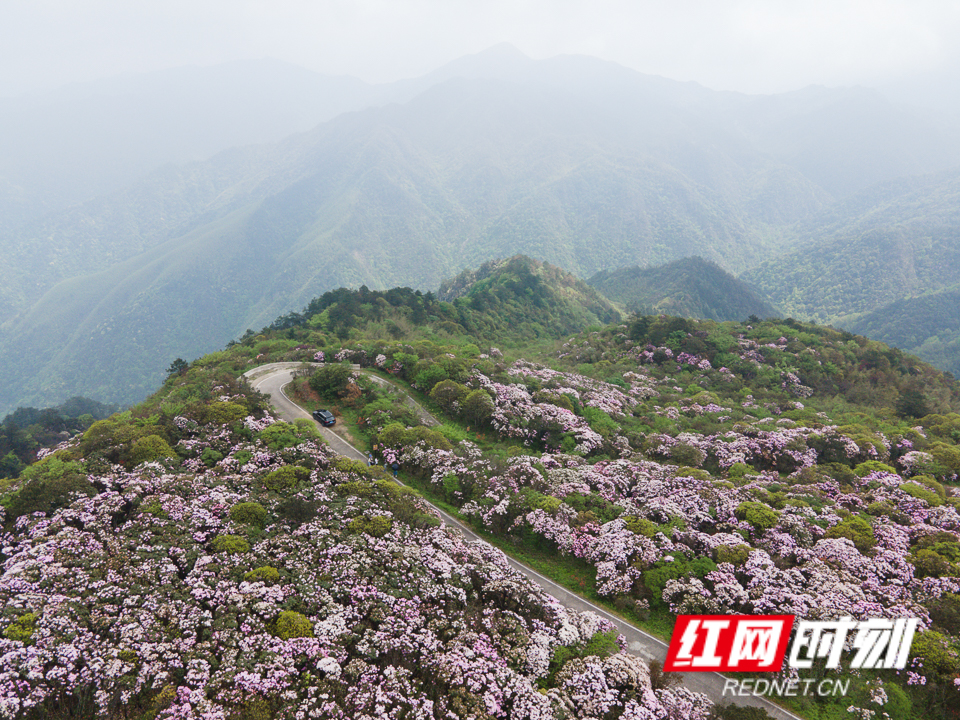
x,y
198,558
283,581
776,510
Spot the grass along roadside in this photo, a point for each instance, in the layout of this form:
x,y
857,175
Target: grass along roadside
x,y
571,573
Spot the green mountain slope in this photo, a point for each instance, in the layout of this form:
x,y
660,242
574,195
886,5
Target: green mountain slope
x,y
380,198
581,163
691,287
522,295
896,240
927,326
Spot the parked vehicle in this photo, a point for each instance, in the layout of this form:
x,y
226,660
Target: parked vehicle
x,y
324,417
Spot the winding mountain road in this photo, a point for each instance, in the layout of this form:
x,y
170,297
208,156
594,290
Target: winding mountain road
x,y
270,380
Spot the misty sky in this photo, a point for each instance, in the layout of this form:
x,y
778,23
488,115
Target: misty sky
x,y
745,45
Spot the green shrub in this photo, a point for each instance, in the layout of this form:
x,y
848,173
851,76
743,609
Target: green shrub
x,y
734,555
297,511
331,380
345,464
937,653
449,395
945,612
290,624
929,563
161,701
390,488
155,508
306,428
946,458
396,435
943,543
538,501
150,448
603,509
872,466
392,435
641,526
922,493
855,529
211,457
452,433
285,479
880,508
49,484
223,413
656,577
280,435
686,454
107,434
230,544
432,438
353,487
265,574
760,516
21,629
255,709
431,374
249,513
602,644
931,484
376,526
600,421
422,520
898,704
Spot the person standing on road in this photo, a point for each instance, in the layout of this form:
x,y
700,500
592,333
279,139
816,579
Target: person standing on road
x,y
395,467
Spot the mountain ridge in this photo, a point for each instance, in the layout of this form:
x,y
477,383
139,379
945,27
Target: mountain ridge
x,y
581,163
689,287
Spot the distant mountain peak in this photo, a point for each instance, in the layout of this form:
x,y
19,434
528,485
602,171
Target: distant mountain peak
x,y
689,287
520,291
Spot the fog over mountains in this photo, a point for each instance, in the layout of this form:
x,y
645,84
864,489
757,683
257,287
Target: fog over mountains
x,y
160,216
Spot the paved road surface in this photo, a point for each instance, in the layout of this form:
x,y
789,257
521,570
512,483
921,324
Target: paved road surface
x,y
270,380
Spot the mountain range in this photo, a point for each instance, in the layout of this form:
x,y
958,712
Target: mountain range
x,y
690,287
571,160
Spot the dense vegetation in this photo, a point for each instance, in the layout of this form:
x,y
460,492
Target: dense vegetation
x,y
690,287
883,263
927,326
195,557
25,430
672,465
521,297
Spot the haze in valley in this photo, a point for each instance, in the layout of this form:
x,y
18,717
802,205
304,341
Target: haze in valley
x,y
173,174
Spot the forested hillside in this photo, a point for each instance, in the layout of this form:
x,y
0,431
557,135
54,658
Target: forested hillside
x,y
691,287
197,555
573,161
927,326
877,263
27,430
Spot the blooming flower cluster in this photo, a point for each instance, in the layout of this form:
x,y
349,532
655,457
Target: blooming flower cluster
x,y
169,592
517,415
